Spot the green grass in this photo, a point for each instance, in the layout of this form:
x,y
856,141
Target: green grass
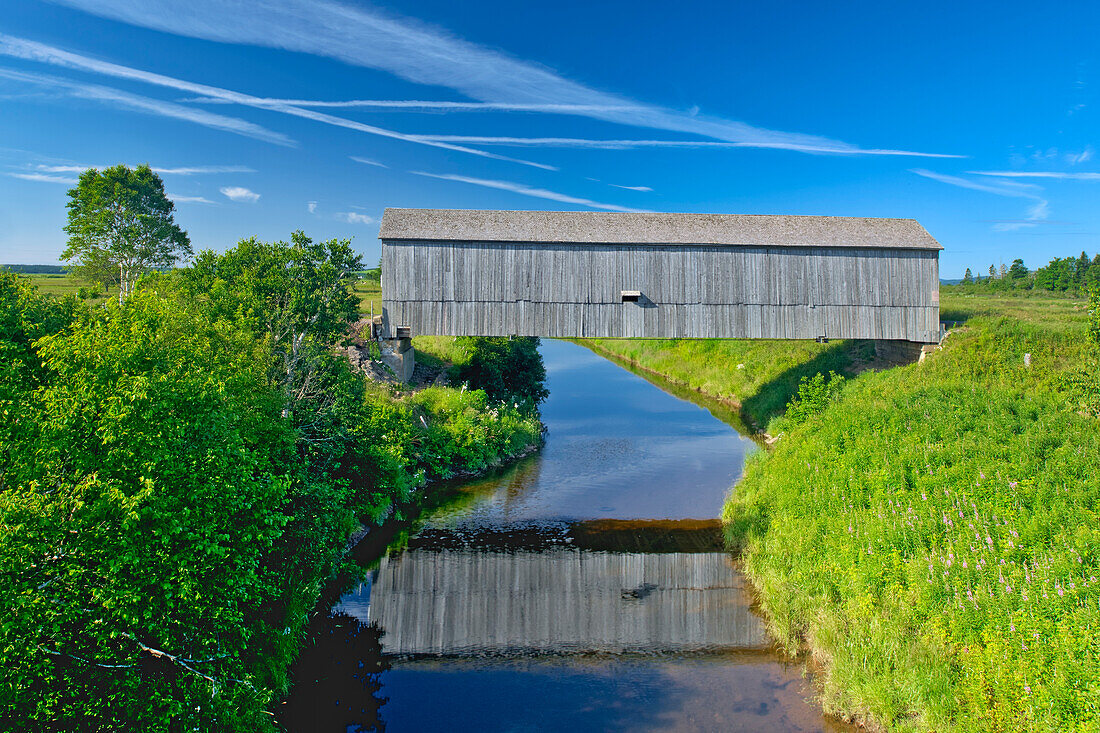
x,y
55,284
932,534
757,376
369,291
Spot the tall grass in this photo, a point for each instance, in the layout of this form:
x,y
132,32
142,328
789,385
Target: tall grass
x,y
931,534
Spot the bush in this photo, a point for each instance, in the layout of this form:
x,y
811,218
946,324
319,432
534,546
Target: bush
x,y
507,369
814,395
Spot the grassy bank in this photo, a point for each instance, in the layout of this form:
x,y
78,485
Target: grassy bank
x,y
756,377
930,534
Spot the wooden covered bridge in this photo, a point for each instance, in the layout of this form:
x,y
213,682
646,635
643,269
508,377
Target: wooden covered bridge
x,y
584,274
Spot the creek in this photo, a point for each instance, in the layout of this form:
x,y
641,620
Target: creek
x,y
584,588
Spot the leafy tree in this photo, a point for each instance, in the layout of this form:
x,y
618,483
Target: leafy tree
x,y
295,293
967,276
1081,270
1018,271
136,512
992,272
120,221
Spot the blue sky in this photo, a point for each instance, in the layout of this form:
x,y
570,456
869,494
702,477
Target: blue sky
x,y
979,120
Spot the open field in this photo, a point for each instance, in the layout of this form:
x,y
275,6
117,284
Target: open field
x,y
56,284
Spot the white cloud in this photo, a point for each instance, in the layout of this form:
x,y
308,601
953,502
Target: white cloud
x,y
368,161
1040,174
419,53
645,189
519,188
627,144
352,217
239,193
188,199
1082,157
43,178
1000,188
30,50
1036,213
118,98
416,105
311,206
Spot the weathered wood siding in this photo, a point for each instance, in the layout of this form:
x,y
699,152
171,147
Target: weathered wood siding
x,y
461,602
689,291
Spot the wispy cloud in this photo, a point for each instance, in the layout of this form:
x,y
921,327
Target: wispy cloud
x,y
645,189
520,188
1081,157
1000,188
188,199
43,178
1036,213
311,207
416,105
192,171
125,100
627,144
352,217
239,193
419,53
33,51
1058,175
368,161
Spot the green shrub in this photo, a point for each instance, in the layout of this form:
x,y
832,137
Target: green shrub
x,y
814,395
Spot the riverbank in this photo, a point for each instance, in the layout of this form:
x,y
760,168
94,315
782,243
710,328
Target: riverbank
x,y
755,378
929,535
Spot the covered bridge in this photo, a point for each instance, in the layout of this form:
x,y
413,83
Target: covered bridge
x,y
584,274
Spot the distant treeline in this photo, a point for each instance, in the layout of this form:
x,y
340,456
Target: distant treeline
x,y
1061,274
36,269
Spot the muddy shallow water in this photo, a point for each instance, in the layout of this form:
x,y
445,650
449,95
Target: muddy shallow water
x,y
586,588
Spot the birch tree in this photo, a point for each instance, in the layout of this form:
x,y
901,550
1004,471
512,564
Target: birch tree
x,y
121,220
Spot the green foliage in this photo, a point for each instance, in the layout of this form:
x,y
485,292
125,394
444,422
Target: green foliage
x,y
1084,383
121,226
179,475
507,369
1074,275
296,295
1018,271
137,507
814,395
932,534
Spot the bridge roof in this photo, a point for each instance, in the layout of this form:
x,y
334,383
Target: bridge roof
x,y
586,227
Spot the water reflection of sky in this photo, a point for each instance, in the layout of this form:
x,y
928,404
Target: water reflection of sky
x,y
615,447
522,603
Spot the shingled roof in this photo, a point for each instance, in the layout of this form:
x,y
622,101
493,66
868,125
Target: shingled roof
x,y
586,227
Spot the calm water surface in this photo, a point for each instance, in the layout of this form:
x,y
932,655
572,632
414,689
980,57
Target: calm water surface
x,y
584,589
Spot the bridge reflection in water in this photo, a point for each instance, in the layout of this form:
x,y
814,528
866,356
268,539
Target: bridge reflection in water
x,y
560,588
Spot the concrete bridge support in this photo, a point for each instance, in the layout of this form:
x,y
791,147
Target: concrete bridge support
x,y
399,355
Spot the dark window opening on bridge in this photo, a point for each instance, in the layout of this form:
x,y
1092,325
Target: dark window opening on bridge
x,y
631,296
404,332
